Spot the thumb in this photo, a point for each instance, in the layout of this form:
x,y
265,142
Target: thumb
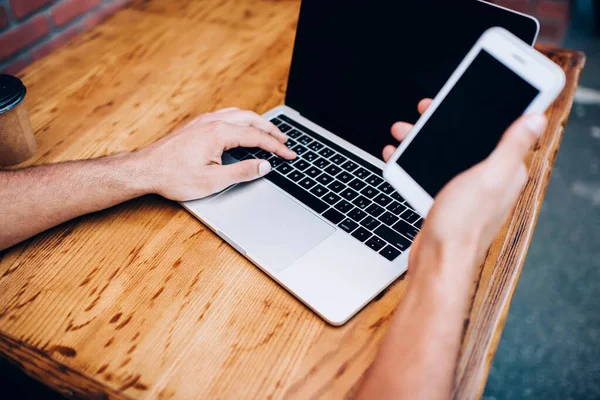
x,y
243,171
519,138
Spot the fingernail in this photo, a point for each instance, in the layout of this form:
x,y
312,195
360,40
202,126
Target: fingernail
x,y
264,168
536,123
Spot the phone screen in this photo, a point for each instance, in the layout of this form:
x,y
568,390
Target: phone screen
x,y
468,124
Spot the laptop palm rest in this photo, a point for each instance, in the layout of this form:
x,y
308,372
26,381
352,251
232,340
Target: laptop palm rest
x,y
269,226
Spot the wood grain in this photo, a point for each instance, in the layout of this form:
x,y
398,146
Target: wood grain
x,y
141,300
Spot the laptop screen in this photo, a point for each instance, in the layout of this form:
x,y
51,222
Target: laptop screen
x,y
360,66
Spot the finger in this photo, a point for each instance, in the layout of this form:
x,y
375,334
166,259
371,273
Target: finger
x,y
223,176
224,110
248,136
250,118
400,130
424,105
388,151
518,139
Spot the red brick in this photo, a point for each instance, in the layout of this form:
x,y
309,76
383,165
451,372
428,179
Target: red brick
x,y
67,10
14,67
3,18
23,35
54,43
104,13
22,8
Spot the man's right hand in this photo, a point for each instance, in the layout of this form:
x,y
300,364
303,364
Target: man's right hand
x,y
187,164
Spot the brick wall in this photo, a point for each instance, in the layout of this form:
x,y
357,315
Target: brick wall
x,y
31,29
554,16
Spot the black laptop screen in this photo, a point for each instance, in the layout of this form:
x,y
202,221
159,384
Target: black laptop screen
x,y
359,66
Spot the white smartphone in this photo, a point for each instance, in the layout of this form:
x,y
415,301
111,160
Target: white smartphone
x,y
500,79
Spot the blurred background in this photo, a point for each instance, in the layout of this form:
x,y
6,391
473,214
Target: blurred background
x,y
550,347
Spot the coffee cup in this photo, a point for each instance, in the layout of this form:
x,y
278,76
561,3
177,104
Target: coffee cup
x,y
17,142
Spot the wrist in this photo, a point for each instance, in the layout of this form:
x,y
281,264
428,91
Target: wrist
x,y
133,170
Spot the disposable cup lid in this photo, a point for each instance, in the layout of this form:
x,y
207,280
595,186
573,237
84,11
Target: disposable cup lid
x,y
12,91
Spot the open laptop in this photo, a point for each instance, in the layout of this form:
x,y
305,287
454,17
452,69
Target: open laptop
x,y
326,226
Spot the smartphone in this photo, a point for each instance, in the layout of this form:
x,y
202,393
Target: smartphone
x,y
500,79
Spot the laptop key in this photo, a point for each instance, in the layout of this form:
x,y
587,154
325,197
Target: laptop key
x,y
310,156
370,223
331,198
357,214
333,216
275,162
375,210
396,208
390,252
343,206
325,179
386,188
301,165
313,172
394,238
375,243
345,177
338,159
315,146
290,143
305,140
294,133
369,192
348,225
419,223
285,168
265,155
283,127
410,216
349,194
361,234
361,202
319,191
276,121
374,180
382,200
253,150
357,184
396,196
388,218
407,230
295,175
350,166
296,191
299,149
307,183
362,173
326,152
321,163
333,170
336,186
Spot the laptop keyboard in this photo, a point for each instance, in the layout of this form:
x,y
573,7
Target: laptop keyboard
x,y
343,188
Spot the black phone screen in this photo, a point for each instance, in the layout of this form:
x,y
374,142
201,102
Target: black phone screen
x,y
468,124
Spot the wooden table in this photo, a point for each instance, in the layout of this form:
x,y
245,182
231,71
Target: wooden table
x,y
142,300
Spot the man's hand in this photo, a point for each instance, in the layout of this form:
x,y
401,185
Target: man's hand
x,y
187,163
184,165
483,195
418,356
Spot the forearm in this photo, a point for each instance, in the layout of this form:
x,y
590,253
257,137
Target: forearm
x,y
418,356
38,198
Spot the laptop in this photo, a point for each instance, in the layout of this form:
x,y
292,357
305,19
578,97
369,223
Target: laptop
x,y
326,226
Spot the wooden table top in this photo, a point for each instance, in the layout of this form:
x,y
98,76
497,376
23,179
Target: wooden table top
x,y
141,300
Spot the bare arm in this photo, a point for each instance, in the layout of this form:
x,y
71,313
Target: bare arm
x,y
184,165
419,354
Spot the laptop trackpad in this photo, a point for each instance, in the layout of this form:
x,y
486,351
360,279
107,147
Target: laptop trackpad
x,y
271,227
